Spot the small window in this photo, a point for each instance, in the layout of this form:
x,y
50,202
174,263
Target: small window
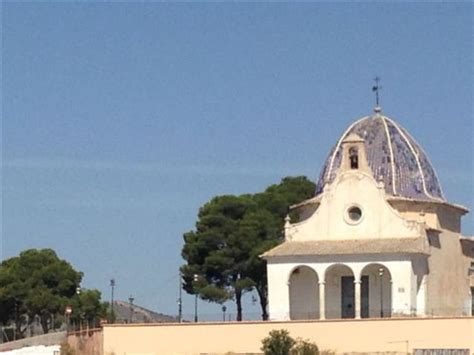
x,y
355,213
354,158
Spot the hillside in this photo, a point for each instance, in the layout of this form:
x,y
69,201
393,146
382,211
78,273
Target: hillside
x,y
139,314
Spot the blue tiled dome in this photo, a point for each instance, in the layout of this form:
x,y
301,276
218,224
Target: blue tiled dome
x,y
393,156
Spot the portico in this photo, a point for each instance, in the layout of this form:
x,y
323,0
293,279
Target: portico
x,y
349,289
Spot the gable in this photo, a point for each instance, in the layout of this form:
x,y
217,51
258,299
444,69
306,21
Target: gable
x,y
354,206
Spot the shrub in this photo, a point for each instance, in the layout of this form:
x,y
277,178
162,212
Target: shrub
x,y
66,349
278,342
304,347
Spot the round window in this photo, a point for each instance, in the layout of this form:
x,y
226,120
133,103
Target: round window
x,y
355,213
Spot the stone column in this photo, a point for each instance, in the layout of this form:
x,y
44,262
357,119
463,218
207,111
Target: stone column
x,y
357,298
322,300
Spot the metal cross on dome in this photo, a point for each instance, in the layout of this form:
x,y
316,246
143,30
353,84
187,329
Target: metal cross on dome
x,y
376,88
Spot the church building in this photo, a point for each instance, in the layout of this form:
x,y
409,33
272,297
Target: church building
x,y
378,239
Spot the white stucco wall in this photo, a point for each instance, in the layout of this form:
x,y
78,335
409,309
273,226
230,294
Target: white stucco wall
x,y
403,287
354,188
278,295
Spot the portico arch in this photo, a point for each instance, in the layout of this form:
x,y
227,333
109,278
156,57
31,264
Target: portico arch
x,y
304,293
376,302
340,297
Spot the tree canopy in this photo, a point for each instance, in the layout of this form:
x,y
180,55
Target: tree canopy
x,y
222,253
39,284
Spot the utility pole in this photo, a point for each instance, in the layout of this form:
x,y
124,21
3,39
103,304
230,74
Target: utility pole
x,y
195,308
130,299
112,313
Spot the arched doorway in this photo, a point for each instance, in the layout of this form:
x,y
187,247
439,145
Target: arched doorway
x,y
340,292
304,293
377,301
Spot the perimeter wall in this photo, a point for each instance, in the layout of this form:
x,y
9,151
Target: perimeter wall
x,y
366,335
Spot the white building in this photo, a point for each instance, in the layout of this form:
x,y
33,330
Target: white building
x,y
378,239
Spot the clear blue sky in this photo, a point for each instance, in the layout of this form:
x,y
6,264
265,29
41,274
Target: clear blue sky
x,y
121,119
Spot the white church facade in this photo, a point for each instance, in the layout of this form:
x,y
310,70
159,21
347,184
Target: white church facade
x,y
378,239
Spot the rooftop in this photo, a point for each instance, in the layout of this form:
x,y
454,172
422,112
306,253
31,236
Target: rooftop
x,y
345,247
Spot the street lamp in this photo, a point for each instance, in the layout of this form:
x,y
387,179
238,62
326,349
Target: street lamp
x,y
180,299
381,291
224,308
112,313
81,315
131,299
195,279
180,310
67,313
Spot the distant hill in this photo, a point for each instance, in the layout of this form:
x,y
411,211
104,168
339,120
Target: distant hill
x,y
139,314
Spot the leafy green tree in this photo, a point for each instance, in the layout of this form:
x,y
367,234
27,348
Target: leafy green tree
x,y
231,233
38,283
278,198
273,205
262,230
215,253
88,308
278,342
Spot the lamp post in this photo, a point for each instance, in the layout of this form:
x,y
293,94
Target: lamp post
x,y
78,293
68,312
112,313
195,279
130,299
381,291
180,299
224,308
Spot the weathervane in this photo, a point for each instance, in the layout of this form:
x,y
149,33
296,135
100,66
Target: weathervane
x,y
376,88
